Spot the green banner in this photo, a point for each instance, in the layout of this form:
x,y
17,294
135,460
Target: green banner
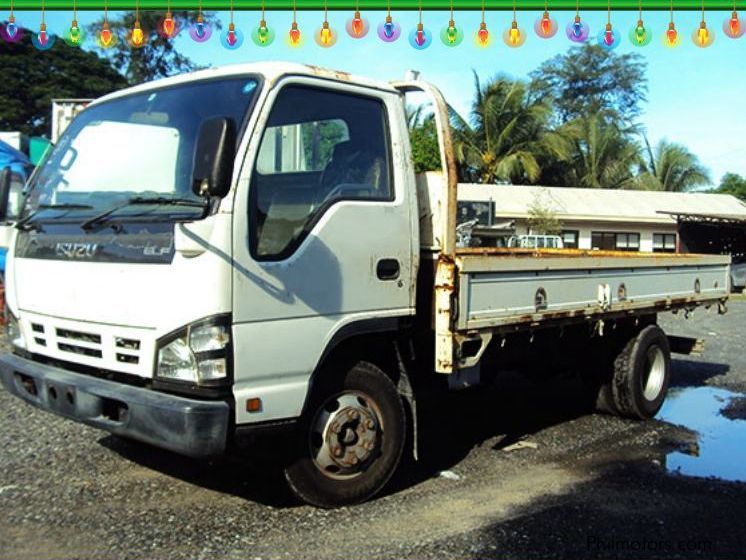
x,y
396,5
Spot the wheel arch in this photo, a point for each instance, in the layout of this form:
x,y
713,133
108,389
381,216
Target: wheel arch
x,y
379,341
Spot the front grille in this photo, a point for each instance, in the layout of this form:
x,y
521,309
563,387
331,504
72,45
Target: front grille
x,y
127,343
91,344
127,358
77,335
79,350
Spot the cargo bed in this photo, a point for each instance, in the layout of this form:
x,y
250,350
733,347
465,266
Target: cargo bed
x,y
504,288
483,292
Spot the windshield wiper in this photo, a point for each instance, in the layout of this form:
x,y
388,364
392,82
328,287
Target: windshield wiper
x,y
20,224
141,200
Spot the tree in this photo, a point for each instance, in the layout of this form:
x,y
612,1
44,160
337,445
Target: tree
x,y
542,219
589,80
734,184
34,78
507,135
423,138
159,57
603,155
672,167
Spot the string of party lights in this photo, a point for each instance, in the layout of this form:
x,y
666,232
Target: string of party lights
x,y
200,31
703,37
608,38
639,35
388,31
671,38
546,27
420,38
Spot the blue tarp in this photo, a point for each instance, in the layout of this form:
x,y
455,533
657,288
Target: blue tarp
x,y
20,165
17,161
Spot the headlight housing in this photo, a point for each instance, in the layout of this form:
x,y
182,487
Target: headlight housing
x,y
197,355
13,330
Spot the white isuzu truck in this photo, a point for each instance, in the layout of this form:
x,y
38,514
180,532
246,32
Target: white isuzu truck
x,y
247,250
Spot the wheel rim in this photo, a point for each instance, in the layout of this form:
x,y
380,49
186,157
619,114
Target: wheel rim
x,y
345,436
655,373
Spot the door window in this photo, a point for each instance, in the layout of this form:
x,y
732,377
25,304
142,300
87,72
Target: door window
x,y
319,147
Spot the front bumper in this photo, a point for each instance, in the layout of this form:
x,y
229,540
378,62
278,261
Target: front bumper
x,y
187,426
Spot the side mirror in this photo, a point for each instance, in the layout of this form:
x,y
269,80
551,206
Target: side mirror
x,y
213,157
5,179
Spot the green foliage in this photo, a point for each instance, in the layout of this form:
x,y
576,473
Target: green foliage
x,y
602,155
734,184
34,78
672,167
319,139
542,219
424,139
158,58
508,134
589,80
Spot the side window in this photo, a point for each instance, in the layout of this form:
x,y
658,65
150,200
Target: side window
x,y
300,147
319,147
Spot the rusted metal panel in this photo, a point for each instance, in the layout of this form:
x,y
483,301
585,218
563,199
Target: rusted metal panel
x,y
513,260
445,286
447,158
503,298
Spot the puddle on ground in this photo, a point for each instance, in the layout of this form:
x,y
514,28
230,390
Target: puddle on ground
x,y
720,452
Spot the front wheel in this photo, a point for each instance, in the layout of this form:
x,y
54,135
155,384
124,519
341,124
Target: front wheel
x,y
350,439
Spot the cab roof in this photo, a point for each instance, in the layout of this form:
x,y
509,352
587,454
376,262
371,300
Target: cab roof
x,y
270,71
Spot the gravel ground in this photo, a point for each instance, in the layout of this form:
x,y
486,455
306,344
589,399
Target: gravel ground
x,y
593,485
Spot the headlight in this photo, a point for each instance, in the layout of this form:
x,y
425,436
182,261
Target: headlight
x,y
176,361
198,354
204,338
13,330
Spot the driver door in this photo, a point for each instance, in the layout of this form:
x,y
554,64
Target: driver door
x,y
324,235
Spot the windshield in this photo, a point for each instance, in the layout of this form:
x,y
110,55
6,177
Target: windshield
x,y
141,145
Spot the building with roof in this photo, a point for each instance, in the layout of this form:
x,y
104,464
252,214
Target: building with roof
x,y
623,220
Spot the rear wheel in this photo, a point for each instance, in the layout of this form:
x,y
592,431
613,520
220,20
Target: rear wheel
x,y
642,372
350,439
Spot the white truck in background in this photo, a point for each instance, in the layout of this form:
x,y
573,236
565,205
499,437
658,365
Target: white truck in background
x,y
248,251
63,113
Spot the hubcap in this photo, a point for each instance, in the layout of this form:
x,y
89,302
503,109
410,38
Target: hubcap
x,y
655,373
345,435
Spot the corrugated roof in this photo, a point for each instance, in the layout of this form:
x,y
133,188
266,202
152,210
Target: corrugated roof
x,y
514,201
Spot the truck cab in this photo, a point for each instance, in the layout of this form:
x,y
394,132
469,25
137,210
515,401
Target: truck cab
x,y
194,249
247,250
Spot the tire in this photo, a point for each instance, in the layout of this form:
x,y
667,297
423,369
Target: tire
x,y
596,373
350,439
642,372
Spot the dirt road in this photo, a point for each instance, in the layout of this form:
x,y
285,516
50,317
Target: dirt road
x,y
580,486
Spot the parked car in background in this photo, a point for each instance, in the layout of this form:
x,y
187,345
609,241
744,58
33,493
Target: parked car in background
x,y
532,241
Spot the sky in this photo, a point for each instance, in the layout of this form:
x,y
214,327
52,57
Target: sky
x,y
694,95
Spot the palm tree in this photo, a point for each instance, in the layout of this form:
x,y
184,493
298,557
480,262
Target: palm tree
x,y
603,155
672,167
508,135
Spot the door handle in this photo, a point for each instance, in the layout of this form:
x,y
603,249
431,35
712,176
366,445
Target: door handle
x,y
387,269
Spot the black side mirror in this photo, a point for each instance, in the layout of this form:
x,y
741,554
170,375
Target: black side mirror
x,y
213,157
5,179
